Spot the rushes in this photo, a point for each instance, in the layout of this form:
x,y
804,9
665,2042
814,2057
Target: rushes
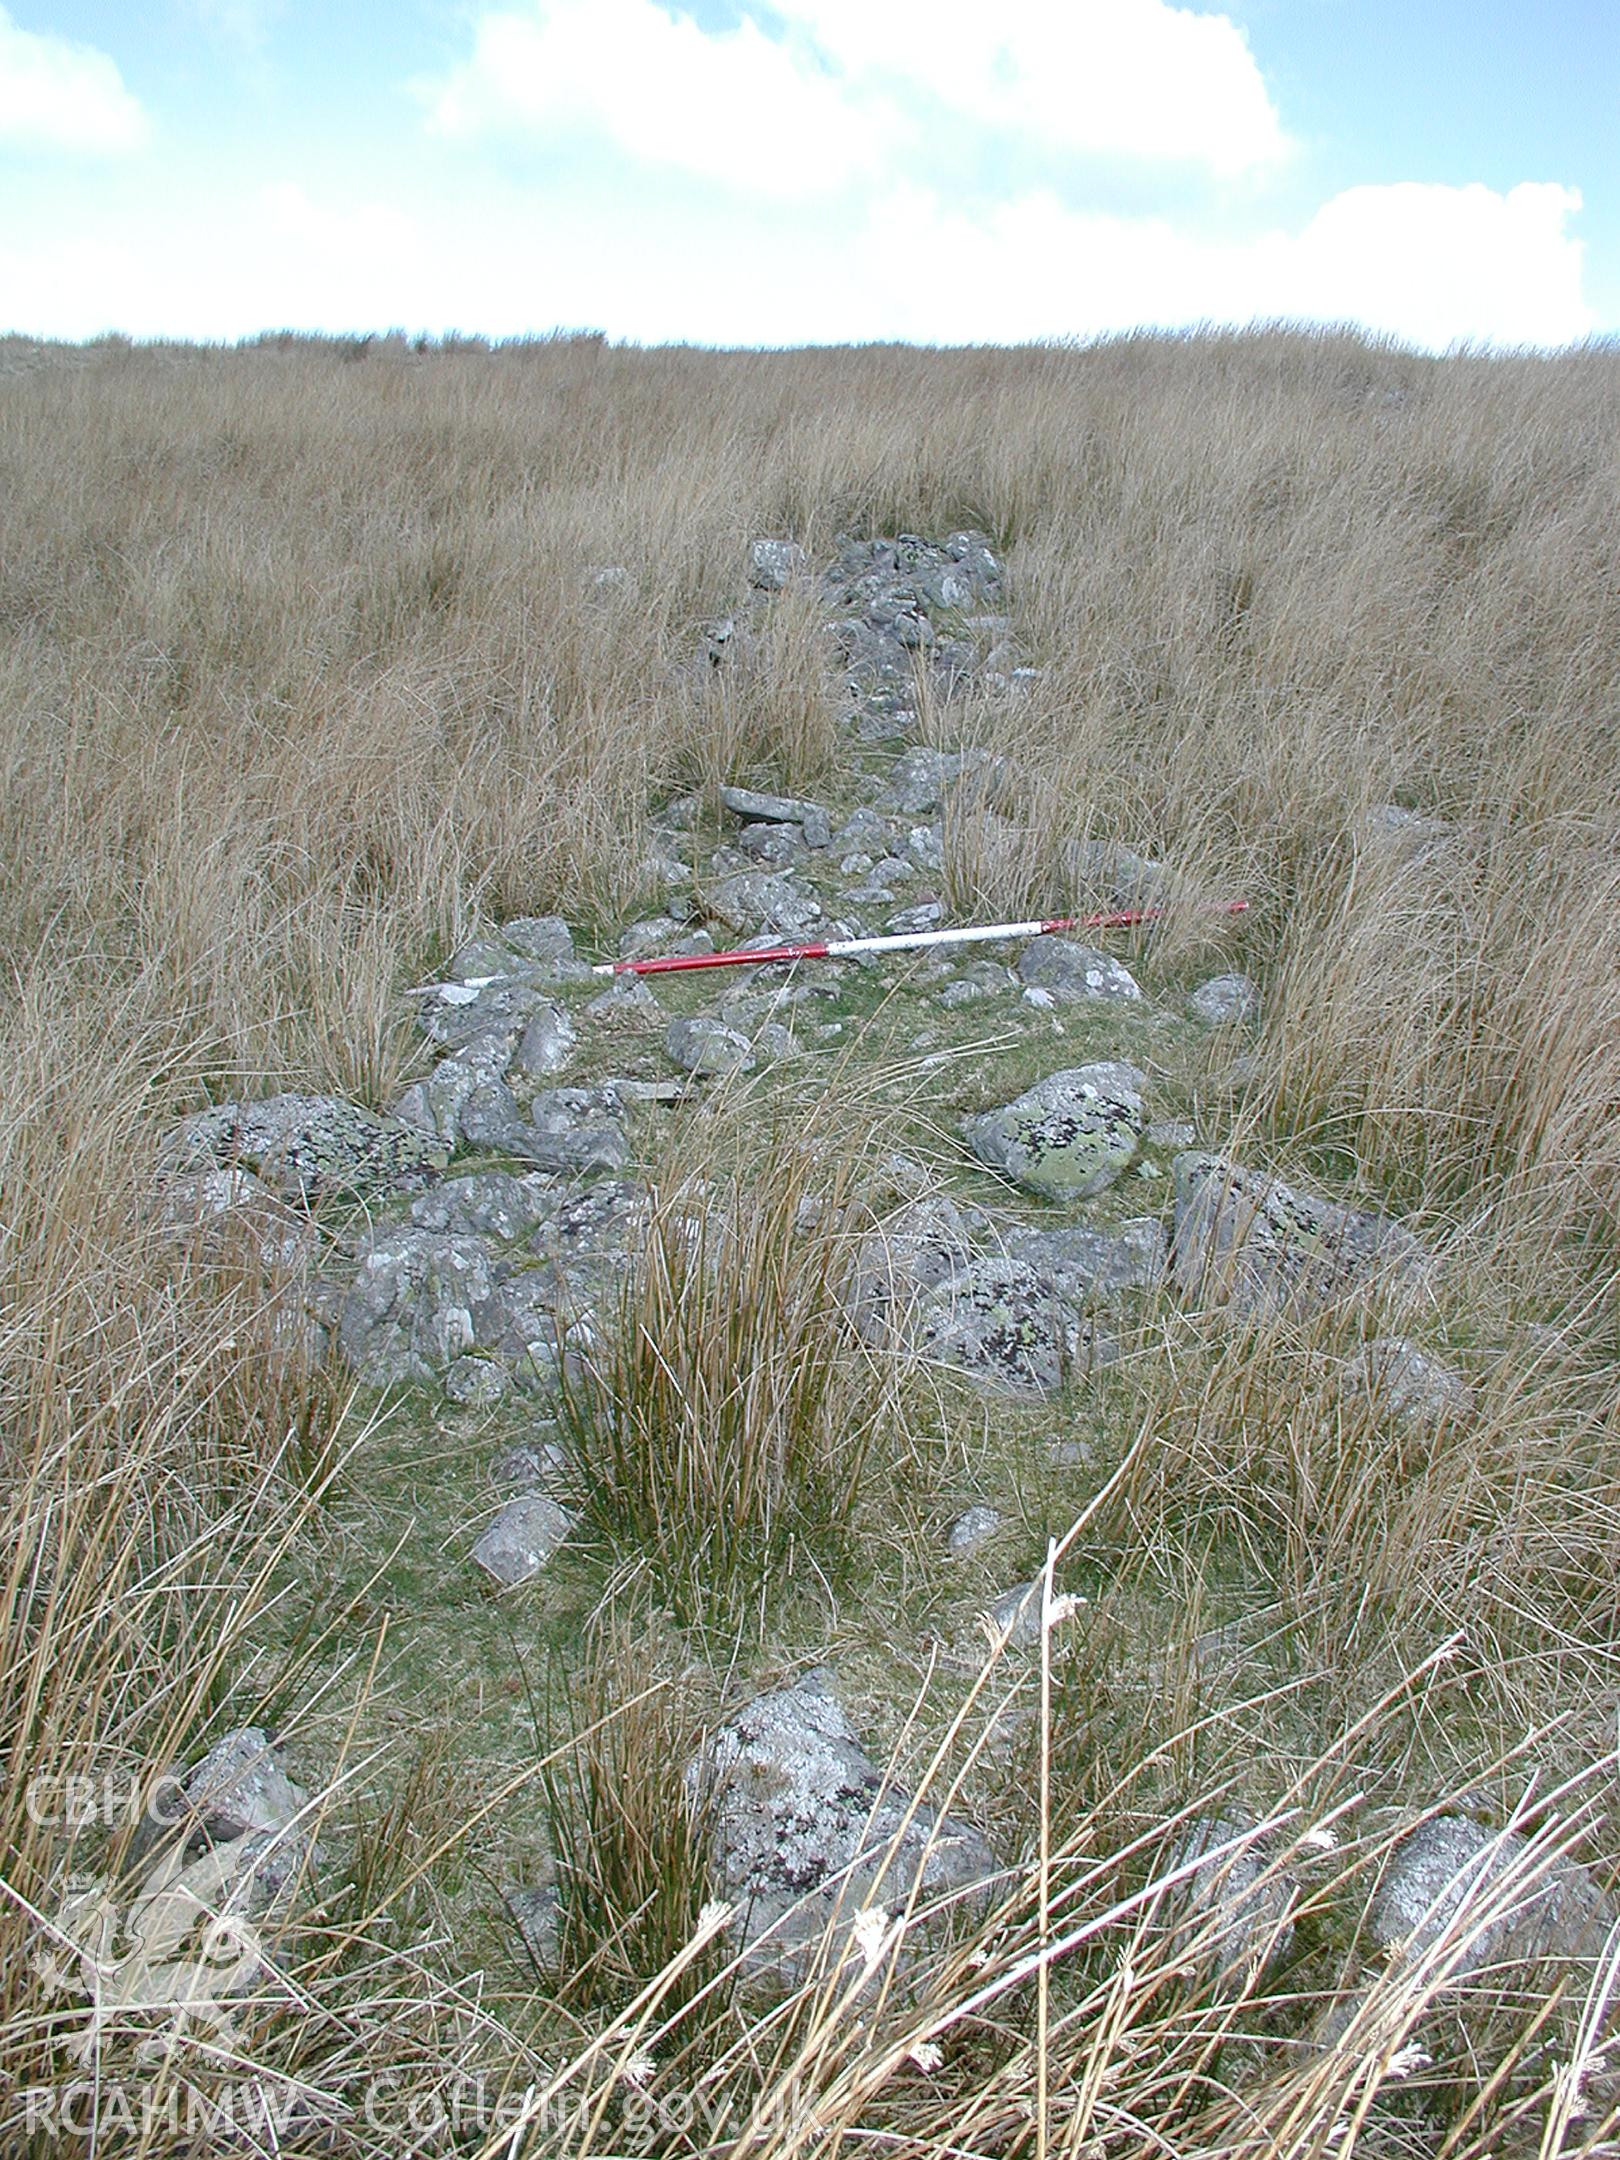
x,y
723,1427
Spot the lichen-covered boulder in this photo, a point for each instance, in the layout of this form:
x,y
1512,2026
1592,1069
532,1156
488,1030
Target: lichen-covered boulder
x,y
1247,1241
1074,974
998,1322
1084,1265
418,1300
804,1825
310,1147
1069,1136
488,1204
900,1259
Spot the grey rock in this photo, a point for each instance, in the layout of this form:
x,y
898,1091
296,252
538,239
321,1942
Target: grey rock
x,y
1405,835
1017,1614
490,1118
239,1791
1248,1241
1069,1136
763,900
543,940
438,1103
1109,875
925,844
1450,1868
923,778
774,564
309,1146
573,1149
779,845
1075,973
756,808
610,581
1081,1264
419,1300
234,1211
865,832
908,922
488,1204
1409,1383
1233,1913
1003,1325
628,997
654,934
805,1824
516,1545
974,1527
893,870
457,1013
1224,1000
708,1046
545,1045
1172,1133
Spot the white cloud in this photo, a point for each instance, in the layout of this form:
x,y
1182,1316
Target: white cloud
x,y
736,106
1117,78
56,94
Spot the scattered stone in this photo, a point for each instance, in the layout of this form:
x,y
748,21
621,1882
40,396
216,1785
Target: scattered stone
x,y
909,922
813,821
774,564
545,941
477,1383
1173,1133
1074,973
627,997
1248,1241
1224,1000
779,845
522,1538
1069,1136
309,1147
654,934
546,1044
232,1210
238,1792
439,1103
1234,1912
1016,1614
574,1130
708,1046
1446,1869
805,1824
1410,1384
762,900
974,1527
916,1249
490,1119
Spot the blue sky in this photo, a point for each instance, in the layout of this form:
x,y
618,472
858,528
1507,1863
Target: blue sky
x,y
788,171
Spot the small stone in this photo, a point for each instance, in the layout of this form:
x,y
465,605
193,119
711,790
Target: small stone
x,y
476,1383
1224,1000
1075,973
238,1795
1410,1384
971,1529
910,922
1235,1908
1017,1613
771,901
628,997
522,1538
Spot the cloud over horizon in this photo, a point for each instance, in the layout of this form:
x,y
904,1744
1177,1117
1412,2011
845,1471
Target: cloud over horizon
x,y
59,95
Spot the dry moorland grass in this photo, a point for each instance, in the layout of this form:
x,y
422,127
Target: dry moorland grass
x,y
302,676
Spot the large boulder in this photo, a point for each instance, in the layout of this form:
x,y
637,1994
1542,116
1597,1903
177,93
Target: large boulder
x,y
1069,1136
1489,1890
309,1147
1246,1240
1001,1324
1084,1265
488,1204
805,1824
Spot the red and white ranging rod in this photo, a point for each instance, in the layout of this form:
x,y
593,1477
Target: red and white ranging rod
x,y
905,941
